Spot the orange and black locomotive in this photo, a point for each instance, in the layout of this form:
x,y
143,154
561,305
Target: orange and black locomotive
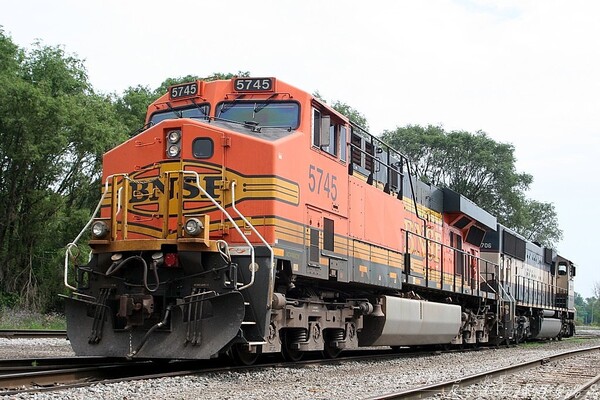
x,y
250,217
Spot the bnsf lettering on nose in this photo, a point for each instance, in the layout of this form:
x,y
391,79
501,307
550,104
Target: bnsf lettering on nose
x,y
150,191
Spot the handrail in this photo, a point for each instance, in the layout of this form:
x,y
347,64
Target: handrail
x,y
512,301
239,231
538,296
402,159
505,292
272,259
85,228
119,200
443,245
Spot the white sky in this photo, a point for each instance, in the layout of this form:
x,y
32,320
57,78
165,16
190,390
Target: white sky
x,y
525,72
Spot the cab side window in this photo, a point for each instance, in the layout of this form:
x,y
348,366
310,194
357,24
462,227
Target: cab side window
x,y
329,134
334,140
316,130
343,145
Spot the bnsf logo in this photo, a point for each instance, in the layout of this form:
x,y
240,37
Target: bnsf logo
x,y
148,191
152,191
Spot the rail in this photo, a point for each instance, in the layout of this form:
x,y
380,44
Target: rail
x,y
32,333
65,373
581,391
449,386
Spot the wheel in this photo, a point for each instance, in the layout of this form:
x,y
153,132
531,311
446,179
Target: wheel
x,y
332,337
289,353
331,351
518,338
505,342
241,355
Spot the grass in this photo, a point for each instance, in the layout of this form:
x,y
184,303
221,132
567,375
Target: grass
x,y
25,319
576,340
540,343
533,344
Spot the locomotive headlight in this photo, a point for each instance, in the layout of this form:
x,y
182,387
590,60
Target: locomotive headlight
x,y
193,227
174,136
173,150
99,230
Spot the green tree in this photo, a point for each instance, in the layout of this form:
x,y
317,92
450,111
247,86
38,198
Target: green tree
x,y
53,132
579,300
350,112
163,88
481,169
537,221
132,106
592,311
580,306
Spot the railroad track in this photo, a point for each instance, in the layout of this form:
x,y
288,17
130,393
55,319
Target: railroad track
x,y
20,382
568,375
51,374
32,333
56,333
38,375
583,389
24,365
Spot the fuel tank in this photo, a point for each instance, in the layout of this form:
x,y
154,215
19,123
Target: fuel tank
x,y
409,322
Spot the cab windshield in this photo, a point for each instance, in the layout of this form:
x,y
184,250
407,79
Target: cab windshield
x,y
262,114
194,112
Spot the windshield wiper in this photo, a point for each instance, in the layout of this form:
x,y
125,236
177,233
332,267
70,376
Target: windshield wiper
x,y
179,114
246,124
231,121
227,106
253,125
264,104
201,109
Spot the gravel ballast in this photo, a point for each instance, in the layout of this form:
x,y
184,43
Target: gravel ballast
x,y
33,348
